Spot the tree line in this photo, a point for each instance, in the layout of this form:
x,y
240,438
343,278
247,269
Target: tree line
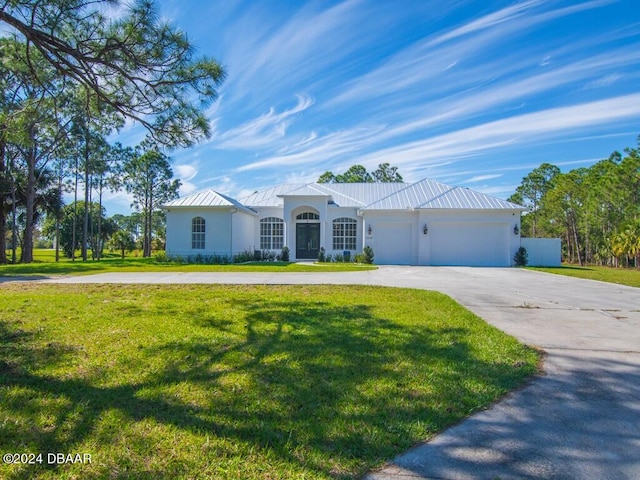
x,y
385,173
595,210
72,74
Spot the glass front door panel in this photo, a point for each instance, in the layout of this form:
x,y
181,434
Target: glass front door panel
x,y
307,240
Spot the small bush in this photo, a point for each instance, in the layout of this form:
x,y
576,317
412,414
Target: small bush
x,y
244,256
521,258
285,254
218,259
321,255
268,256
162,257
359,258
339,258
368,255
329,258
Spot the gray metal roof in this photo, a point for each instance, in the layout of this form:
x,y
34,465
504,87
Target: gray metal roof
x,y
409,196
429,194
271,197
425,194
360,194
459,197
207,198
306,191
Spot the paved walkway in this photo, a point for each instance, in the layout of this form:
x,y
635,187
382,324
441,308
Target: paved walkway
x,y
579,421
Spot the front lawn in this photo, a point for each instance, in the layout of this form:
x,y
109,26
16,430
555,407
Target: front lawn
x,y
622,276
45,265
238,382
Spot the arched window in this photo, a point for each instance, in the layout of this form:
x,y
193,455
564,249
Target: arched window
x,y
308,216
197,233
271,233
344,233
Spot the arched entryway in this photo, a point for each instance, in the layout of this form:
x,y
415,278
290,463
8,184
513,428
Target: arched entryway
x,y
307,235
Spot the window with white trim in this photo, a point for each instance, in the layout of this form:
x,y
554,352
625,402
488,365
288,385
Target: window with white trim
x,y
271,233
344,233
308,216
197,233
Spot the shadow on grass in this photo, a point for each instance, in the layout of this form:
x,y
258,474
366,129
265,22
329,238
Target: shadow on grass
x,y
66,266
330,391
565,267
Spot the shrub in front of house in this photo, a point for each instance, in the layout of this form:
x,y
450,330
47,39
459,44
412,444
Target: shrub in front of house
x,y
368,255
162,257
521,258
246,256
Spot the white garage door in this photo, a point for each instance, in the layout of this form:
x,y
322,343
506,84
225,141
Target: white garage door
x,y
476,245
392,244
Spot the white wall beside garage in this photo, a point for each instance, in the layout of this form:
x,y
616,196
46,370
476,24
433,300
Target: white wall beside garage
x,y
543,252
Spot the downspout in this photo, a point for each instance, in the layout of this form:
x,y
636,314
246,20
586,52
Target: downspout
x,y
360,213
233,211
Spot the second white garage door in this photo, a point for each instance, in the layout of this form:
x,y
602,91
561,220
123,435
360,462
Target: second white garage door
x,y
469,244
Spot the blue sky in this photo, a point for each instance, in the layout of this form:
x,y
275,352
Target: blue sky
x,y
468,93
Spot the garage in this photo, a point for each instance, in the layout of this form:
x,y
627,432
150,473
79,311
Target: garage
x,y
393,243
471,244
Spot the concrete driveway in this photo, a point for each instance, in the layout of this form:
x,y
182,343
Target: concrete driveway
x,y
581,420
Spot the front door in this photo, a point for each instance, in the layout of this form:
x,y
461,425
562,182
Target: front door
x,y
307,240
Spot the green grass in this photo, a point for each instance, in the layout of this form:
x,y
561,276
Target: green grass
x,y
45,265
622,276
238,382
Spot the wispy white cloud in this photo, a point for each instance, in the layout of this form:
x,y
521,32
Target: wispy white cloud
x,y
278,53
482,178
262,131
450,93
321,150
506,15
454,65
521,129
604,81
506,93
424,61
186,173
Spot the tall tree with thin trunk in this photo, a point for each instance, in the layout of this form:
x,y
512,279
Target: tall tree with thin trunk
x,y
531,191
133,61
149,178
129,61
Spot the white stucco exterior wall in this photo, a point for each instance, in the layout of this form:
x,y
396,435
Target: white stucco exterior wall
x,y
243,232
218,228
